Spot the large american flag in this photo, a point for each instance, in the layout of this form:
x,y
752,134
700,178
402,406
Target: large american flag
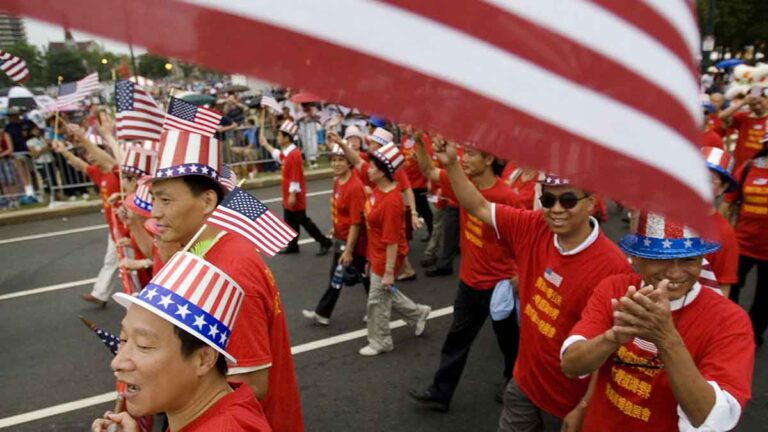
x,y
14,67
138,115
602,92
73,92
241,213
185,116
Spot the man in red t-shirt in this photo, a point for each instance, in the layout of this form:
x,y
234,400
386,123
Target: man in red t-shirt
x,y
294,188
101,168
560,254
174,350
725,262
259,341
347,208
487,265
751,124
668,353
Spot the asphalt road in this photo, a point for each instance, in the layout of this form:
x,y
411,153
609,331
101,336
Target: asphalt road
x,y
48,358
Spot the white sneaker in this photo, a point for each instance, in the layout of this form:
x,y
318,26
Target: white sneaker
x,y
422,322
369,351
311,315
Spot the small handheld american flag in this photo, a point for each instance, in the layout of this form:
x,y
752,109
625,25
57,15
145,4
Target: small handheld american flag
x,y
138,115
73,92
185,116
14,67
269,101
241,213
109,340
228,178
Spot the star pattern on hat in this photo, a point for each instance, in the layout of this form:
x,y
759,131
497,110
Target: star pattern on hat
x,y
688,243
223,338
166,301
199,322
182,310
193,168
213,331
150,293
666,243
647,242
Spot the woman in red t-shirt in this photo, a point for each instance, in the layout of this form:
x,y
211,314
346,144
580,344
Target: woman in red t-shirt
x,y
387,249
752,234
347,207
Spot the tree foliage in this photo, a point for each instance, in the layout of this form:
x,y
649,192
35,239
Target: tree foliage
x,y
737,23
153,66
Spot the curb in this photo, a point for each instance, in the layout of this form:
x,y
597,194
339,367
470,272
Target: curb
x,y
19,216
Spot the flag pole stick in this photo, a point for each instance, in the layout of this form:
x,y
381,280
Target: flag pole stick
x,y
202,228
261,125
56,105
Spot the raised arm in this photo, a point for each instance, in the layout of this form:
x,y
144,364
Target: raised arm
x,y
73,160
101,158
426,167
349,152
727,113
273,151
468,195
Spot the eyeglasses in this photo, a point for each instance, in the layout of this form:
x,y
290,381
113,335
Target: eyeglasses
x,y
567,200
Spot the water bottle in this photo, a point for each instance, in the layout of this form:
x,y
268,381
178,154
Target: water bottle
x,y
338,277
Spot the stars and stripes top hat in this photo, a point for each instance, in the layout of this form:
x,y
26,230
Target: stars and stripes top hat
x,y
195,296
185,153
659,238
336,150
720,162
289,127
391,156
138,160
140,202
549,179
353,131
381,136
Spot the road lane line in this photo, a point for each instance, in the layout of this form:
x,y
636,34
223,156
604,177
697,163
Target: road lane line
x,y
109,397
74,284
103,226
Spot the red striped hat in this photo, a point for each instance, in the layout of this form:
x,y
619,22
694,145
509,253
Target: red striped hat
x,y
391,156
550,179
185,153
140,202
289,127
721,162
137,160
381,136
195,296
659,238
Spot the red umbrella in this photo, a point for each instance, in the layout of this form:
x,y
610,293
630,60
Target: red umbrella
x,y
305,97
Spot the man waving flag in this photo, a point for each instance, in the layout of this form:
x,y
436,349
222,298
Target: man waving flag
x,y
524,80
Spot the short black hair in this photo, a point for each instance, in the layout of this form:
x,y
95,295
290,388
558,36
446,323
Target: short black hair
x,y
382,167
190,344
198,184
287,135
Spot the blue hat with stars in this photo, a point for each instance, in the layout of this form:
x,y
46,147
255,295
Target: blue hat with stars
x,y
659,238
195,296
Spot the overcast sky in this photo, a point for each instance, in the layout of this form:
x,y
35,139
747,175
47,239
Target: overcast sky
x,y
39,33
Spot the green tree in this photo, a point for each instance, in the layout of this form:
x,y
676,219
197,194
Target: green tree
x,y
67,64
35,64
153,66
737,22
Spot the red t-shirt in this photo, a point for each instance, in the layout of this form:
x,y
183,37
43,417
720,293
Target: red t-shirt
x,y
237,411
717,334
411,165
385,225
715,123
260,336
347,206
400,177
752,227
553,288
751,131
725,262
485,260
108,184
293,172
710,138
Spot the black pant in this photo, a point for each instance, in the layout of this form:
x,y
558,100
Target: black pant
x,y
422,207
450,238
470,310
328,301
758,312
297,218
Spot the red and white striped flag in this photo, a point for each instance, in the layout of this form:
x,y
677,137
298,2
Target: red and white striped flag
x,y
241,213
14,67
601,92
185,116
73,92
138,115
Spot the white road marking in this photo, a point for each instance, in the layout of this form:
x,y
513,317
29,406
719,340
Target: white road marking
x,y
75,284
103,226
110,396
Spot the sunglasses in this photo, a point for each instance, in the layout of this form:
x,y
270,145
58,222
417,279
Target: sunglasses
x,y
567,200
